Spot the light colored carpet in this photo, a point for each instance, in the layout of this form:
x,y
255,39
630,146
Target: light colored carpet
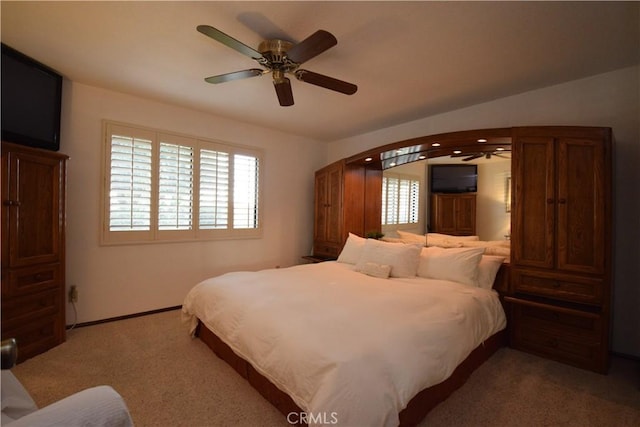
x,y
170,379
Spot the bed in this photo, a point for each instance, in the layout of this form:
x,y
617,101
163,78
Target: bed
x,y
369,339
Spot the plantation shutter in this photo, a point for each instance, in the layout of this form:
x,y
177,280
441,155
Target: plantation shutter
x,y
414,202
245,191
392,201
400,200
214,189
161,186
175,191
130,183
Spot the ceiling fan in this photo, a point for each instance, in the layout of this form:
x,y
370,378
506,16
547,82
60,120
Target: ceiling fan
x,y
485,154
281,57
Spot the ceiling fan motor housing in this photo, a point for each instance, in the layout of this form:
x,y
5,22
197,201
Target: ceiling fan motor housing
x,y
274,56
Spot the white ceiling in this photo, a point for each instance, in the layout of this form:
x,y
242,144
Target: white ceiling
x,y
409,59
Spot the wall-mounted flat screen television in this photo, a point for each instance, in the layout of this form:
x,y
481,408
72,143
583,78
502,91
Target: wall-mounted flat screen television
x,y
31,101
449,178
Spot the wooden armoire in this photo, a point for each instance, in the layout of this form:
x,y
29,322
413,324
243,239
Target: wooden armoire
x,y
453,214
346,201
561,232
33,248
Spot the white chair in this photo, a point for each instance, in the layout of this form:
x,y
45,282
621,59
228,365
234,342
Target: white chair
x,y
98,406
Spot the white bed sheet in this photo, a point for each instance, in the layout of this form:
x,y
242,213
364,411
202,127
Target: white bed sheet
x,y
345,346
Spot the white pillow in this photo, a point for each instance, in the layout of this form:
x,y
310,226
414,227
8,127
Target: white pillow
x,y
412,237
403,258
486,243
352,249
444,243
458,264
487,270
452,237
391,239
498,251
381,271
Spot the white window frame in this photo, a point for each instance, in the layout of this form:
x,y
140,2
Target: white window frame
x,y
154,234
415,202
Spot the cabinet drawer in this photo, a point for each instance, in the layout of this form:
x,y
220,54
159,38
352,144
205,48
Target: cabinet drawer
x,y
568,288
568,336
19,310
36,336
28,280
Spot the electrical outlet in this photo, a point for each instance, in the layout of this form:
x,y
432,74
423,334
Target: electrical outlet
x,y
73,294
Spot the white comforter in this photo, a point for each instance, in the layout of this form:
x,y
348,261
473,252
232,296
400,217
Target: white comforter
x,y
345,346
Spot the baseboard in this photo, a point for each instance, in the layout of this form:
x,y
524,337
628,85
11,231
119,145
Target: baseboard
x,y
626,356
127,316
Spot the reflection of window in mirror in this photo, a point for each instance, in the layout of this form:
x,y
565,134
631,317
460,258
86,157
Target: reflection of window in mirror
x,y
403,193
400,199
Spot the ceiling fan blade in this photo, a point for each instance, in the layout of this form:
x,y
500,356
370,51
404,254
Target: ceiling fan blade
x,y
222,78
312,46
283,90
326,82
228,41
472,157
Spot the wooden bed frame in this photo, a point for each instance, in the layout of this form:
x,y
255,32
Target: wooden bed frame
x,y
416,409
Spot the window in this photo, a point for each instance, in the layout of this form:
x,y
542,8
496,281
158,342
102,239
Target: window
x,y
400,199
163,187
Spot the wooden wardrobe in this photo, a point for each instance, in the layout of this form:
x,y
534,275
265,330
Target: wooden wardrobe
x,y
33,248
347,200
453,214
561,244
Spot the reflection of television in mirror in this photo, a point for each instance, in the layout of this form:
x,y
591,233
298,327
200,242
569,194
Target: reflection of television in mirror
x,y
448,178
31,101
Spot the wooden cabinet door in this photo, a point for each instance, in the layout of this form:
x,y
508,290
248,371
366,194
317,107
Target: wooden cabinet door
x,y
465,214
35,208
454,214
533,209
444,206
581,205
328,205
560,211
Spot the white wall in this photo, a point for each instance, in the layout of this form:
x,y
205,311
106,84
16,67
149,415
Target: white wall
x,y
120,280
493,222
611,99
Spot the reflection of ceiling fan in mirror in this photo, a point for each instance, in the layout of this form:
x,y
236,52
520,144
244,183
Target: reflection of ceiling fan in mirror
x,y
280,57
500,152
